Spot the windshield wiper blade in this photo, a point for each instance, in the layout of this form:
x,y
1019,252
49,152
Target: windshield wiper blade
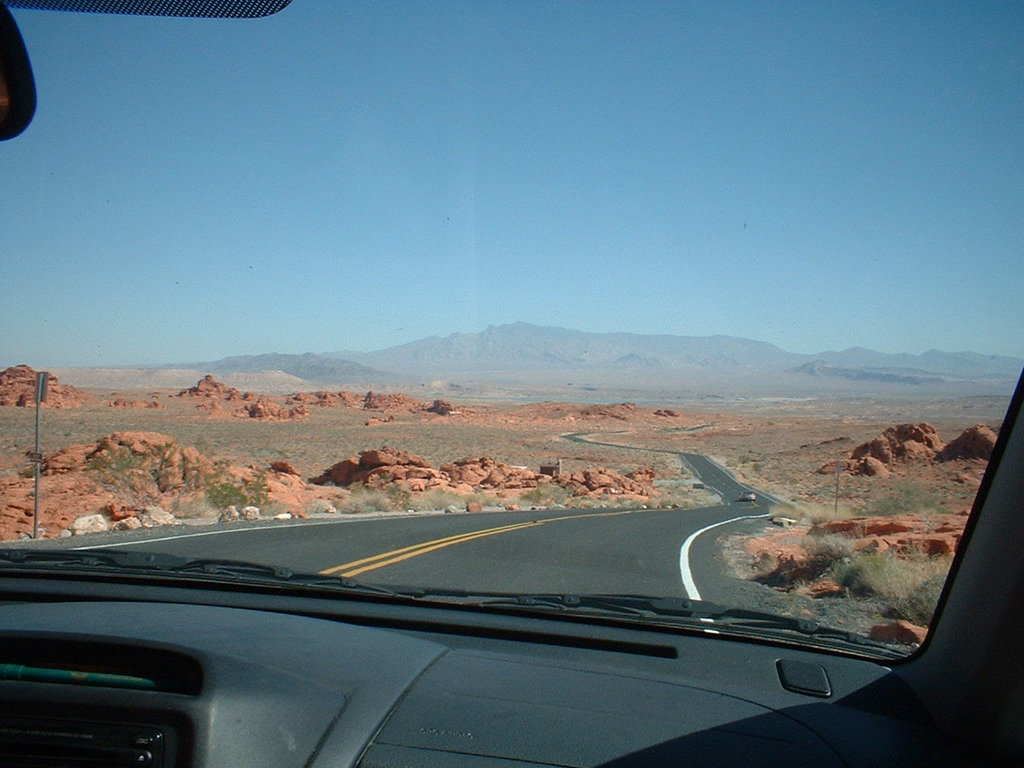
x,y
674,611
149,564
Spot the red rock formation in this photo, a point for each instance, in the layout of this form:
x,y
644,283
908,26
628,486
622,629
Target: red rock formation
x,y
442,408
323,399
975,442
901,444
376,401
380,467
934,535
120,403
18,387
265,409
621,411
211,389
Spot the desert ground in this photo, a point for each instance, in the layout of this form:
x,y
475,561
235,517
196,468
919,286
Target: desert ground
x,y
209,454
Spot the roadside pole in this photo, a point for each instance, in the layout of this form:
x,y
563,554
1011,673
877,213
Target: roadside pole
x,y
37,457
837,470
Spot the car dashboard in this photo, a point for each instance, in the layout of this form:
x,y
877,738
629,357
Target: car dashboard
x,y
259,681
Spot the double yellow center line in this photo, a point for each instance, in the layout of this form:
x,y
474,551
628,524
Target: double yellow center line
x,y
357,567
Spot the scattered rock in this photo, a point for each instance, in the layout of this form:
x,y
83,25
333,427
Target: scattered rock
x,y
249,513
152,517
899,631
284,468
89,524
228,514
474,506
119,403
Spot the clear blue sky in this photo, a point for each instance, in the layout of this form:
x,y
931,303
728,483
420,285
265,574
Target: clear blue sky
x,y
359,175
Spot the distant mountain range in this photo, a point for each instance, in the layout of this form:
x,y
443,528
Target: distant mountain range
x,y
524,347
530,360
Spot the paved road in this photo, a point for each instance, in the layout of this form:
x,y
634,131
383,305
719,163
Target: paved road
x,y
638,551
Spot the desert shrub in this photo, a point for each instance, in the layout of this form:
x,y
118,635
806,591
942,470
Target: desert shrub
x,y
435,498
320,507
193,507
812,513
362,499
546,495
398,497
908,586
906,499
228,492
126,474
826,552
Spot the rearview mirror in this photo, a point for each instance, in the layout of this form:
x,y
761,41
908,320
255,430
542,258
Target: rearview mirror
x,y
17,86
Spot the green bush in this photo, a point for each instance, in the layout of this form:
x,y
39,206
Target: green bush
x,y
252,492
226,494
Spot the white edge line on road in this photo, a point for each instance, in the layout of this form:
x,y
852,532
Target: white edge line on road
x,y
242,530
684,553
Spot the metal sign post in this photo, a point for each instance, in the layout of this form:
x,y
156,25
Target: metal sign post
x,y
37,457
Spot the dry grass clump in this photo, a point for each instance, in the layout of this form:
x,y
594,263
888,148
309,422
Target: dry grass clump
x,y
909,586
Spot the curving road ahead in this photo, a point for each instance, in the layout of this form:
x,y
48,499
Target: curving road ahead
x,y
623,551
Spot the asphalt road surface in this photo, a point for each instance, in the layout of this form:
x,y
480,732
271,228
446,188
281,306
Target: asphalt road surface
x,y
582,551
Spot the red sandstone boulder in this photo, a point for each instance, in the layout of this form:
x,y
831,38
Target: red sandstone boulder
x,y
976,442
899,631
902,444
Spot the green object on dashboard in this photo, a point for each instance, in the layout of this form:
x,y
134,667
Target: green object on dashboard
x,y
74,677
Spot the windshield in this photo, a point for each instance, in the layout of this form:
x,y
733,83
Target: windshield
x,y
660,300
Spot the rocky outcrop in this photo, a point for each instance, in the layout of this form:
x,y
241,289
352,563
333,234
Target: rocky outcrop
x,y
378,468
907,444
933,536
324,399
901,444
442,408
599,481
208,388
378,401
486,473
975,442
18,388
621,411
265,409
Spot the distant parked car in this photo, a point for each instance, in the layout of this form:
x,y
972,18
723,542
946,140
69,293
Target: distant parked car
x,y
748,496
